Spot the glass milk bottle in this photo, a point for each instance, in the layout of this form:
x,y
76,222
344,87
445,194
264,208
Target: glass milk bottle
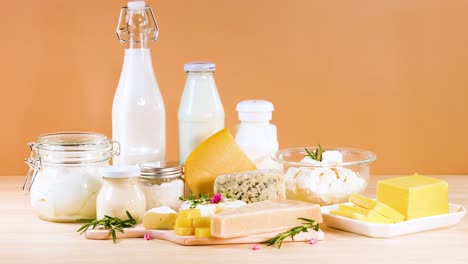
x,y
138,114
255,135
201,112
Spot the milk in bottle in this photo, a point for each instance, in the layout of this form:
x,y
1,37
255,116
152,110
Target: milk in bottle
x,y
138,114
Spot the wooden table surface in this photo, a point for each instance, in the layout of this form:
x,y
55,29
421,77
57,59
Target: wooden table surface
x,y
26,239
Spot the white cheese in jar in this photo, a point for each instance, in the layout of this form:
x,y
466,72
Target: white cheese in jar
x,y
62,193
323,185
164,194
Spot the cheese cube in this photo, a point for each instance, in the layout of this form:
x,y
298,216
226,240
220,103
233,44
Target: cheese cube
x,y
159,218
202,232
414,196
183,231
203,221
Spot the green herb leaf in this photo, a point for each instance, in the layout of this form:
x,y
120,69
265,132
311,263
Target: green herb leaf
x,y
277,241
108,222
316,154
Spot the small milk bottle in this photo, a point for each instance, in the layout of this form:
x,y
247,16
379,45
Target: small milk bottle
x,y
255,135
201,112
138,114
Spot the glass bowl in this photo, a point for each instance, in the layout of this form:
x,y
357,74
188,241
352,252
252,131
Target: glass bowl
x,y
328,182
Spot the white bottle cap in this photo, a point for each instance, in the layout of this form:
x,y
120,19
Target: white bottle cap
x,y
198,66
120,171
136,5
255,110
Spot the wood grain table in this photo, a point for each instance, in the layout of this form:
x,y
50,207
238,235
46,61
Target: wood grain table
x,y
26,239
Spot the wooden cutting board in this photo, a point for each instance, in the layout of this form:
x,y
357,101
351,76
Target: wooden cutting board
x,y
169,235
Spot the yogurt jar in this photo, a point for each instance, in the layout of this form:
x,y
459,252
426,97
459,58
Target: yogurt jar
x,y
120,192
63,175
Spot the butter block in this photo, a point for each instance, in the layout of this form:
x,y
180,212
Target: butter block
x,y
378,207
414,196
262,217
159,218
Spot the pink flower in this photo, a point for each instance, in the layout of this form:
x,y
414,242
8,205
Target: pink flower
x,y
312,241
147,236
256,247
216,198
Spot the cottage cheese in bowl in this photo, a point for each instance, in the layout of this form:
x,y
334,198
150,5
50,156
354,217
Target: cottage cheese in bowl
x,y
332,180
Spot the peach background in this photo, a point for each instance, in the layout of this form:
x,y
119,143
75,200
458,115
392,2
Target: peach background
x,y
389,76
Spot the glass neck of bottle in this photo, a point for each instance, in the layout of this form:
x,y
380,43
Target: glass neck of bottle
x,y
206,74
138,42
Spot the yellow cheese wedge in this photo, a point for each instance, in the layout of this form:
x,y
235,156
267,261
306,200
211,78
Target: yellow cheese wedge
x,y
414,196
159,218
217,155
262,217
379,207
183,231
202,232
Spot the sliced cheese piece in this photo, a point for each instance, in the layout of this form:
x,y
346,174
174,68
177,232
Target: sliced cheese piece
x,y
414,196
379,207
159,218
252,186
263,217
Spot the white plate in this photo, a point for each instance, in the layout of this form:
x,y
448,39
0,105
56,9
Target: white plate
x,y
456,212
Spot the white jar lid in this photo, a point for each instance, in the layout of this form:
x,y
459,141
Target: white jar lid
x,y
255,110
198,66
135,5
120,171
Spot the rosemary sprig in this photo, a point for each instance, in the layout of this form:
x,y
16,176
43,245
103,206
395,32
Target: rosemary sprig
x,y
315,154
277,241
108,222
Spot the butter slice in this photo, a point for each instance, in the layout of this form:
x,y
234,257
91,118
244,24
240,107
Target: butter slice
x,y
415,196
159,218
263,217
379,207
362,214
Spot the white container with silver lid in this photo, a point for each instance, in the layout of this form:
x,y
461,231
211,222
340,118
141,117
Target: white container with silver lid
x,y
162,183
64,174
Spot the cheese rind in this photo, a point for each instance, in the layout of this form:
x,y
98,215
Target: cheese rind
x,y
159,218
263,217
414,196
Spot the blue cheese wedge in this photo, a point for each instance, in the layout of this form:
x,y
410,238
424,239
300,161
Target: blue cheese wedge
x,y
252,186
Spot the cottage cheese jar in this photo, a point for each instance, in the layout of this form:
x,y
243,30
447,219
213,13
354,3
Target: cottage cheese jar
x,y
121,192
162,183
64,174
